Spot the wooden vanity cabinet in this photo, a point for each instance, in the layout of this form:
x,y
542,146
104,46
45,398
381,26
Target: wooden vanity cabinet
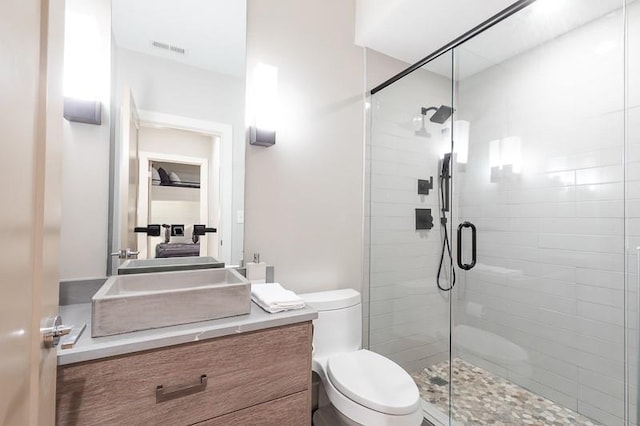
x,y
255,378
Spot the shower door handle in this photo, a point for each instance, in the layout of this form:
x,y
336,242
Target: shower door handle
x,y
467,266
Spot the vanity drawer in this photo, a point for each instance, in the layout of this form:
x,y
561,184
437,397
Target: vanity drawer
x,y
290,410
241,371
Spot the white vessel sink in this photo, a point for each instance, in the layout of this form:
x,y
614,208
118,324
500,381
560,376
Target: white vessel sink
x,y
141,301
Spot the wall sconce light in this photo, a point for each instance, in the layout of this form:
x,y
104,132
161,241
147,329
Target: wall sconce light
x,y
83,111
265,105
86,78
261,137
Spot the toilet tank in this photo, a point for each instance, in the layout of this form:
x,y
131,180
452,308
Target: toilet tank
x,y
338,327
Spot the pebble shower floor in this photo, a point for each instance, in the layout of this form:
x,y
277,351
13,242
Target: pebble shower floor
x,y
482,398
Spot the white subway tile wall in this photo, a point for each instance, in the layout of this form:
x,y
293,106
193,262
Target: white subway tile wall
x,y
408,316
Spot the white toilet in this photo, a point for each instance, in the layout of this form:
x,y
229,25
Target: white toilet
x,y
358,387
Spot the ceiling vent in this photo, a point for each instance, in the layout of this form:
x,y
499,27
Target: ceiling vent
x,y
168,47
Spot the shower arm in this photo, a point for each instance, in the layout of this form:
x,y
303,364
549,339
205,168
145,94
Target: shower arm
x,y
424,111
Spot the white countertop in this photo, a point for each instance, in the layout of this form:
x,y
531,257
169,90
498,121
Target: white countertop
x,y
88,348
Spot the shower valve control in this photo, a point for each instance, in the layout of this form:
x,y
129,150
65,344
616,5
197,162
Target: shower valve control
x,y
424,219
424,186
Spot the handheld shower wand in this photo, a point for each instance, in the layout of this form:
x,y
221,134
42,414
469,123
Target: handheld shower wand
x,y
444,190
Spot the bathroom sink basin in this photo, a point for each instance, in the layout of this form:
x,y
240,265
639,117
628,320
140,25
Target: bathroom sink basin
x,y
141,301
143,266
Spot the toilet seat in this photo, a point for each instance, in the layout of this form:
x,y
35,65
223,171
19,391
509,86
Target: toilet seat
x,y
374,381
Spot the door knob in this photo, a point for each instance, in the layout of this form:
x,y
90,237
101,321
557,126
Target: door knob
x,y
51,335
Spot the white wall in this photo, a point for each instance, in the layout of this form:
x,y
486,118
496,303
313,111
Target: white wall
x,y
175,142
304,195
163,85
166,86
85,179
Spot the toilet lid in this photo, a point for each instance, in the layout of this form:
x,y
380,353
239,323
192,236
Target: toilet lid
x,y
374,381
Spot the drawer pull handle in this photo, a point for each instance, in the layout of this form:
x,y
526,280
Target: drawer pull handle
x,y
166,394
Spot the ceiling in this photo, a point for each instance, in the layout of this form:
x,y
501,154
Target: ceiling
x,y
409,30
212,32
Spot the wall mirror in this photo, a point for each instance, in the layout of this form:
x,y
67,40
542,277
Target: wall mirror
x,y
178,103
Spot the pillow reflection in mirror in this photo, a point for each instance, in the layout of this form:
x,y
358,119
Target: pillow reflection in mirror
x,y
173,176
164,177
155,176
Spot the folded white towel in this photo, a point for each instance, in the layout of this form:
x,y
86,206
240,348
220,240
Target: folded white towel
x,y
272,297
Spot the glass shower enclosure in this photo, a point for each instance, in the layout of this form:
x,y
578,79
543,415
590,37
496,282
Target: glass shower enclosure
x,y
503,204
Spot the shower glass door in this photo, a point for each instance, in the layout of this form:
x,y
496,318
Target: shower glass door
x,y
408,316
632,204
538,309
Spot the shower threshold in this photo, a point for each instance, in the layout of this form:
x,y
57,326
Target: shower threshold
x,y
483,398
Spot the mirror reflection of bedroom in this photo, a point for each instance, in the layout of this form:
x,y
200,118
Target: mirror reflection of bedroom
x,y
181,194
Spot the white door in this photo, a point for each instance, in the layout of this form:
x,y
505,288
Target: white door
x,y
30,163
127,177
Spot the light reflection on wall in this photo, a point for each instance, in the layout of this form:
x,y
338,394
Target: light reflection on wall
x,y
460,140
505,158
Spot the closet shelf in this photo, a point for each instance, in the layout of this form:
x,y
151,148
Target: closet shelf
x,y
183,184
